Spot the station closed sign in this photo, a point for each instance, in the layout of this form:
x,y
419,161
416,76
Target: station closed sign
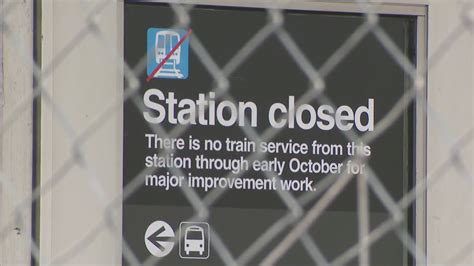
x,y
231,132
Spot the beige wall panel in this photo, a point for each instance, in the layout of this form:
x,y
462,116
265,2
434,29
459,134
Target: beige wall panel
x,y
16,133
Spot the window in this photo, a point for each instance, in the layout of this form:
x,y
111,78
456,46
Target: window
x,y
360,89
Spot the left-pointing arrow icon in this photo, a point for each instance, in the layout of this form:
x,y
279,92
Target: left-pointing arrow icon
x,y
155,238
158,238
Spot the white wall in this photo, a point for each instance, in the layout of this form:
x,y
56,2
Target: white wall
x,y
82,85
16,132
451,94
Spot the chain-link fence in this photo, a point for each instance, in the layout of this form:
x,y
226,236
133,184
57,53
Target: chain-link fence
x,y
302,210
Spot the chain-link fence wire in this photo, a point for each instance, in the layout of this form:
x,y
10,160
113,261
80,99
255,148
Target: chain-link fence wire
x,y
297,221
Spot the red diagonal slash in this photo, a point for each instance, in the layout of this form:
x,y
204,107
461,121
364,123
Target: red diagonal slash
x,y
168,55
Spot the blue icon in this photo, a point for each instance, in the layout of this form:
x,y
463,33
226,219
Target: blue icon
x,y
167,49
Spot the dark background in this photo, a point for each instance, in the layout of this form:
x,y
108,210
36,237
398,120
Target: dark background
x,y
270,75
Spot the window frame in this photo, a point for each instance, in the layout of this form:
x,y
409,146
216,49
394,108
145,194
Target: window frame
x,y
418,9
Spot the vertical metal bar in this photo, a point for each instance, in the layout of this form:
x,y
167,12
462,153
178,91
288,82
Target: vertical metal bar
x,y
421,134
46,120
2,217
2,17
363,214
36,149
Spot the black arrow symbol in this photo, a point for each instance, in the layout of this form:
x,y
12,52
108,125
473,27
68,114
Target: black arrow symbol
x,y
155,238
